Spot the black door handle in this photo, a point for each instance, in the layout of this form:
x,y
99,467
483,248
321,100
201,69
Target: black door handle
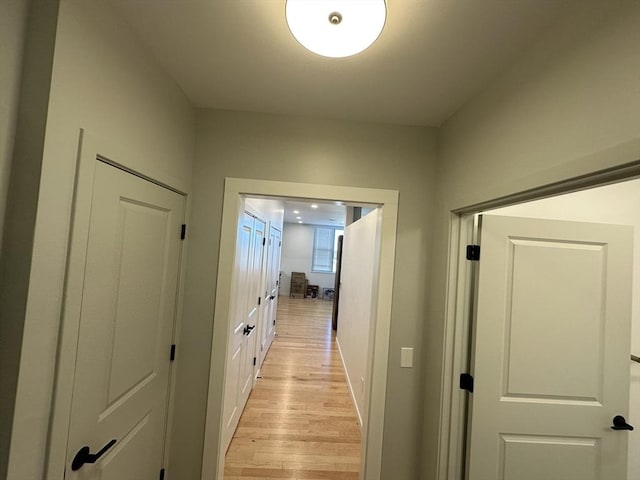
x,y
248,328
620,423
84,455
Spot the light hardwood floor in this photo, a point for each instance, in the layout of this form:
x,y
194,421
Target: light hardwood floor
x,y
299,422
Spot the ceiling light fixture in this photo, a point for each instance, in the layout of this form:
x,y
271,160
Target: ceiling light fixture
x,y
314,206
296,211
336,28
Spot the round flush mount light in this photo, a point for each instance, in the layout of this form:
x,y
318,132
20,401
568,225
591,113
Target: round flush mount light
x,y
336,28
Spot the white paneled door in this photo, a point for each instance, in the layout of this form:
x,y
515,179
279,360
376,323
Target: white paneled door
x,y
255,306
237,337
120,392
272,283
551,351
244,317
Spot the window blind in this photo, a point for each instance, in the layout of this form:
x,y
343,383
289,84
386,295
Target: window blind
x,y
323,247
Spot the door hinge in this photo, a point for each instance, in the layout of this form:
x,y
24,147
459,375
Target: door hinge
x,y
183,231
274,321
264,241
259,300
172,355
162,474
466,382
280,244
254,361
473,252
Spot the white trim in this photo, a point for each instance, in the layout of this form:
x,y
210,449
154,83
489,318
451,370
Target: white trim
x,y
89,149
456,355
70,323
213,456
346,374
177,323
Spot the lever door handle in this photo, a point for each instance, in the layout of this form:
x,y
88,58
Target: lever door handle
x,y
620,423
248,328
84,455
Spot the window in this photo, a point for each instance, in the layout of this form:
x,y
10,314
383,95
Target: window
x,y
325,249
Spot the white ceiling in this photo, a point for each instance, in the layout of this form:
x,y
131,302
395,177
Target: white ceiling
x,y
431,58
325,213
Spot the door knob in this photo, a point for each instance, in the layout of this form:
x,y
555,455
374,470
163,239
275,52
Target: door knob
x,y
620,423
84,455
248,328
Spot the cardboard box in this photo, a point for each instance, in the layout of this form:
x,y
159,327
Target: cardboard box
x,y
299,284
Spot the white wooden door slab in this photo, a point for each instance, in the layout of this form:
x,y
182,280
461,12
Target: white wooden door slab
x,y
551,358
237,343
245,313
273,274
126,326
255,306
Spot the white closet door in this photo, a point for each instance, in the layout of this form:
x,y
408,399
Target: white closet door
x,y
551,361
126,323
244,316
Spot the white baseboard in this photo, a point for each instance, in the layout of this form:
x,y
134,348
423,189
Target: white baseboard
x,y
349,383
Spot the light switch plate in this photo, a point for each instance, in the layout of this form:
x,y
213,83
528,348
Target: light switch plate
x,y
406,357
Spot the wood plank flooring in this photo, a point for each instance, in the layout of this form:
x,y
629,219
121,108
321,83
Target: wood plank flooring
x,y
299,422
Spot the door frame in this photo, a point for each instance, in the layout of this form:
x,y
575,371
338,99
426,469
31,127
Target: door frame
x,y
459,306
235,190
90,151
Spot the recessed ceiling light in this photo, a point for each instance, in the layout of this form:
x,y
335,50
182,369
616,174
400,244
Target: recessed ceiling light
x,y
314,206
296,211
298,218
336,28
299,221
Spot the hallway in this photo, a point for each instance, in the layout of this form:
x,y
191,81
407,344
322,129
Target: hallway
x,y
299,422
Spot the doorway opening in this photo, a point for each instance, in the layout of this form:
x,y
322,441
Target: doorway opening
x,y
236,191
598,199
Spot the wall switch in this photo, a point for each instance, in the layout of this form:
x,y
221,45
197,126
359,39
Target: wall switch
x,y
406,357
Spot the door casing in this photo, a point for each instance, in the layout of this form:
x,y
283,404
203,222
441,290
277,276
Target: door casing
x,y
459,306
233,206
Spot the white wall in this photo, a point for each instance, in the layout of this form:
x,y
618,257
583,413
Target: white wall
x,y
26,150
567,107
267,209
297,253
359,265
616,204
242,145
13,21
105,82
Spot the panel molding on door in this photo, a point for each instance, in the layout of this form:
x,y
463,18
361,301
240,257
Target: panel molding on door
x,y
273,278
550,351
126,317
244,317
